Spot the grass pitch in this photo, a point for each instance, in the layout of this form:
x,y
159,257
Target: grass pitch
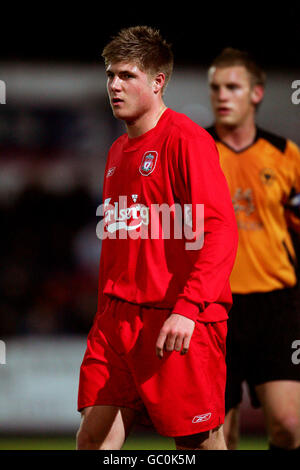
x,y
133,443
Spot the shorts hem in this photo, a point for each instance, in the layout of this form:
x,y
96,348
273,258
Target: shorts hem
x,y
190,432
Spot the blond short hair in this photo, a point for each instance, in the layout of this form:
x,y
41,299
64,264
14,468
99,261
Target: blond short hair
x,y
230,57
143,46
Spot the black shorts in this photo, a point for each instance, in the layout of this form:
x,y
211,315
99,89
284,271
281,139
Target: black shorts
x,y
261,330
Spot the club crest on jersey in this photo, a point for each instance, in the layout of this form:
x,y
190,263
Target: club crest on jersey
x,y
148,162
268,176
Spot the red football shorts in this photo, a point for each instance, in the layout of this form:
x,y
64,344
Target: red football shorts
x,y
182,394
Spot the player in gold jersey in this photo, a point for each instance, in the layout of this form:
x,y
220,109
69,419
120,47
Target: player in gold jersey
x,y
263,174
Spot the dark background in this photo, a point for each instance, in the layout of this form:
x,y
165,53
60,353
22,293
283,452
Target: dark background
x,y
197,31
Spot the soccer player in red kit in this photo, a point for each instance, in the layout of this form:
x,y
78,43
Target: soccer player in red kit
x,y
157,344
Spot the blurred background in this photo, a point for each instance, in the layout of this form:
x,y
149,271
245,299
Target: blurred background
x,y
55,130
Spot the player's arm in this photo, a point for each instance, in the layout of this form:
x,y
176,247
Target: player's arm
x,y
202,181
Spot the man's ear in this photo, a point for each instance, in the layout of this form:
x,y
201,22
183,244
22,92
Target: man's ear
x,y
257,94
158,82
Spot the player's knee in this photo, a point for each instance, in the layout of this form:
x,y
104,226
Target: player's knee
x,y
285,431
195,441
88,441
231,436
209,440
231,429
83,440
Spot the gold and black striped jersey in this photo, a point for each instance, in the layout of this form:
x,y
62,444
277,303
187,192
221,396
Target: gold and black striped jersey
x,y
262,178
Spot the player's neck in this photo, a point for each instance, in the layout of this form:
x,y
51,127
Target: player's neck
x,y
146,122
237,137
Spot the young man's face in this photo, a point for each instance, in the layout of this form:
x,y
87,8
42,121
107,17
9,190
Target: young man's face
x,y
130,91
233,98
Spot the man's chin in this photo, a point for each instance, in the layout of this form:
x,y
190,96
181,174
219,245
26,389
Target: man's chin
x,y
123,116
117,113
226,121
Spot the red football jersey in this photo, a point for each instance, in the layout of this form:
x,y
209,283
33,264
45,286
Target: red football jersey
x,y
148,256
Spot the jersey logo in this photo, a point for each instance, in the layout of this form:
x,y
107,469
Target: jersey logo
x,y
148,162
119,216
268,176
110,171
243,201
201,418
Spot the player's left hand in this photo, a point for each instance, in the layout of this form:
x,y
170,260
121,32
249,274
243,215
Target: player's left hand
x,y
175,335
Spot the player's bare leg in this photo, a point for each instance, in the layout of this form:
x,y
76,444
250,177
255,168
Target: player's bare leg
x,y
104,427
209,440
281,405
231,428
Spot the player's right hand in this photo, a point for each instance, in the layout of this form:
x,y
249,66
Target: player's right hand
x,y
175,335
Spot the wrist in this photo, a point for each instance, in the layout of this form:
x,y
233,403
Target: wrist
x,y
188,309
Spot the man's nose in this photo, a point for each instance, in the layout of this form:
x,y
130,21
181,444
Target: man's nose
x,y
115,84
222,95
